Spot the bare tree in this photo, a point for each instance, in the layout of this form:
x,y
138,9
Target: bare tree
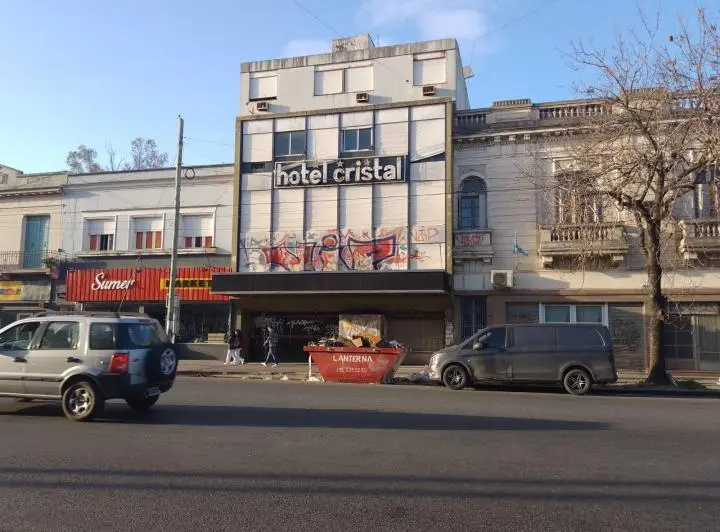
x,y
115,161
83,160
145,154
654,131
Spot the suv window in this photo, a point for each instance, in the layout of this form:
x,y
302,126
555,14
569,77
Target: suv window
x,y
60,335
534,336
496,338
102,336
579,336
141,335
19,337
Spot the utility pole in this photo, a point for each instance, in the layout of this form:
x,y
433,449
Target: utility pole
x,y
170,316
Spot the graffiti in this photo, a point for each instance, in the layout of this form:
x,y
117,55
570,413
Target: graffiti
x,y
347,249
468,240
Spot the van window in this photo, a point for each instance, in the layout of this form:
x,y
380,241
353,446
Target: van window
x,y
579,336
496,338
534,336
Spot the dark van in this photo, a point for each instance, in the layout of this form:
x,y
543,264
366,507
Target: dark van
x,y
573,355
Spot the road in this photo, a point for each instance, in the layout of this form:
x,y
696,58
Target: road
x,y
223,454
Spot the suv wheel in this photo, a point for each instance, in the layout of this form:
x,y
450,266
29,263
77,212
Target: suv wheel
x,y
142,404
162,362
455,377
82,402
577,381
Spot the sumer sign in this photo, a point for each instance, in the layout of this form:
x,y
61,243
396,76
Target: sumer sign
x,y
363,170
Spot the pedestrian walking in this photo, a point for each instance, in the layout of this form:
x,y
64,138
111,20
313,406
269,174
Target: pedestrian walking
x,y
271,342
229,339
238,347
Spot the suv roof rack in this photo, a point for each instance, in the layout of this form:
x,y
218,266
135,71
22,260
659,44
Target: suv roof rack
x,y
90,313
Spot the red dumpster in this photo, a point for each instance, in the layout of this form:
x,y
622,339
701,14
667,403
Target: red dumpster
x,y
356,364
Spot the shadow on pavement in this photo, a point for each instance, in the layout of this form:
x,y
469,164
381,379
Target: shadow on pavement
x,y
555,490
236,416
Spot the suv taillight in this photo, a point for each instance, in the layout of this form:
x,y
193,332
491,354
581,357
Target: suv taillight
x,y
119,363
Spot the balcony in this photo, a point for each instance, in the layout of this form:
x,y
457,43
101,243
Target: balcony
x,y
35,261
699,237
473,244
603,240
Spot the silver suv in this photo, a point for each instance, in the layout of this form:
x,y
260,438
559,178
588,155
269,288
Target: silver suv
x,y
84,359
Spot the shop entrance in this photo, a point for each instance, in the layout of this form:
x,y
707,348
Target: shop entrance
x,y
295,331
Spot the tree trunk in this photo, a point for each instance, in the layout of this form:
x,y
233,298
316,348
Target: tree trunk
x,y
656,308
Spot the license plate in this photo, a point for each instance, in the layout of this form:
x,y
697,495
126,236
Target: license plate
x,y
152,392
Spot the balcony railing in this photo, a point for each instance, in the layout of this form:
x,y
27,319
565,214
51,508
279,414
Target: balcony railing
x,y
563,112
39,259
473,244
699,237
574,240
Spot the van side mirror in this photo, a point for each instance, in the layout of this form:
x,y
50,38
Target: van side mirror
x,y
478,346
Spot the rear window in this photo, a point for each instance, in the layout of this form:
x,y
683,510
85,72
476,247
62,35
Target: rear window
x,y
126,336
579,336
534,336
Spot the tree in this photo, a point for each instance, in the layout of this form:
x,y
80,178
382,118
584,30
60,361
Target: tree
x,y
83,160
655,131
145,154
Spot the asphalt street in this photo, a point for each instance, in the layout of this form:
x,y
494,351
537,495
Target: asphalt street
x,y
224,454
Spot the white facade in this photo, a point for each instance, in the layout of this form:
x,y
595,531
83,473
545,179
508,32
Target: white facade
x,y
333,80
117,214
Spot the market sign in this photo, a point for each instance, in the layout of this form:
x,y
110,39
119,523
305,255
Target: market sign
x,y
24,291
146,284
358,171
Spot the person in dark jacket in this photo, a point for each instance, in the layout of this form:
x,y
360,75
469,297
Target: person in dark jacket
x,y
229,339
238,344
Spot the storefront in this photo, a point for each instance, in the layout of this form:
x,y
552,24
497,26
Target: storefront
x,y
21,298
146,290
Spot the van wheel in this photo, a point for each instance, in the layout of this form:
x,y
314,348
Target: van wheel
x,y
82,402
577,381
455,377
142,404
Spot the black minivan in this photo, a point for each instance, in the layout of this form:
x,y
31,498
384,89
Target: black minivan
x,y
573,355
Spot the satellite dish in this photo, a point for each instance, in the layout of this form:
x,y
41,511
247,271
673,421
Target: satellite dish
x,y
189,174
468,72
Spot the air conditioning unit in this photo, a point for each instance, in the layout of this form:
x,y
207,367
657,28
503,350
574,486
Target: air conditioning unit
x,y
501,278
362,97
263,106
429,90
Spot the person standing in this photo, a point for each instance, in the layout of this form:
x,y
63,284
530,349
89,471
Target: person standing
x,y
238,347
230,341
271,342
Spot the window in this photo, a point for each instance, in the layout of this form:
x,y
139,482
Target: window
x,y
102,336
579,336
263,85
19,337
289,143
573,313
534,336
473,312
101,235
357,139
61,335
328,82
575,202
473,204
148,233
142,335
678,337
359,79
428,71
496,338
197,231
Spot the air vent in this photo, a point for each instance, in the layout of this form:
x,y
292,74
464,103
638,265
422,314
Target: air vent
x,y
362,97
263,106
501,278
429,90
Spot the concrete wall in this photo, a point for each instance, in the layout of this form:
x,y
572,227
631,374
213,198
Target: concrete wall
x,y
119,199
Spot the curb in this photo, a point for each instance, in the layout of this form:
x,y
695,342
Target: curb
x,y
649,392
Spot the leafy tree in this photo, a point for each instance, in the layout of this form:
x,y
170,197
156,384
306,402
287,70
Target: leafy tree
x,y
83,160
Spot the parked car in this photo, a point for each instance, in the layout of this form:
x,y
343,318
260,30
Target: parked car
x,y
85,359
573,355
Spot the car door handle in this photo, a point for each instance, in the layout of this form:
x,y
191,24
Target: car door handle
x,y
20,360
72,359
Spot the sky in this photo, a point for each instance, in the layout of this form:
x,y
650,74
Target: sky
x,y
101,73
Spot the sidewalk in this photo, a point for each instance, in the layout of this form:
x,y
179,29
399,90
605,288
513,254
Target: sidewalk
x,y
299,372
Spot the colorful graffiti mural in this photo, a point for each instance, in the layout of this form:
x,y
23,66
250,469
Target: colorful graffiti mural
x,y
394,248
